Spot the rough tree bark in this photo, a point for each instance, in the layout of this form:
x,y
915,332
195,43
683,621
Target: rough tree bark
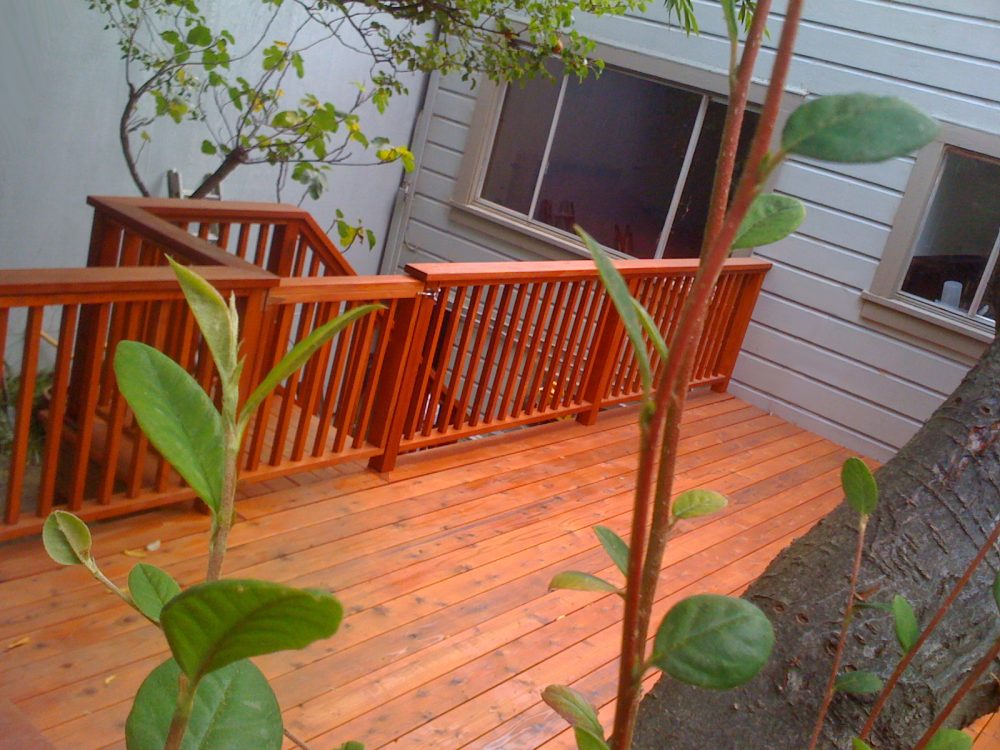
x,y
940,498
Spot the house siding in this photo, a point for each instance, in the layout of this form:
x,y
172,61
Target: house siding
x,y
809,355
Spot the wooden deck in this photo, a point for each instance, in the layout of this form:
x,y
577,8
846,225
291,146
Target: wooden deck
x,y
442,566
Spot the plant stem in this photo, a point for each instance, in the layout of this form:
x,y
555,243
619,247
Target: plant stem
x,y
233,159
223,521
842,640
967,684
182,714
672,387
904,663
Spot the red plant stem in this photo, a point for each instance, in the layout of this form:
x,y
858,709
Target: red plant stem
x,y
946,605
672,388
845,625
967,684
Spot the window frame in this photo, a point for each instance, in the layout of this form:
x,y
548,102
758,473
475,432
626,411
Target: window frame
x,y
547,241
884,302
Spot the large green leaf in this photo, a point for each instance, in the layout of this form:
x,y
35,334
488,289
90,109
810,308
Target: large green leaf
x,y
150,589
859,486
587,740
771,217
950,739
234,709
649,326
67,539
858,683
301,353
578,581
857,128
713,641
214,624
615,546
574,708
622,299
907,629
217,321
176,414
859,744
694,503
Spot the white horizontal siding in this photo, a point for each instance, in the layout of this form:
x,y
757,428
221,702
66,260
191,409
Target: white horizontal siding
x,y
809,356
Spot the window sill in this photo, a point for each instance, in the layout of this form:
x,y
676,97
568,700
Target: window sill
x,y
928,326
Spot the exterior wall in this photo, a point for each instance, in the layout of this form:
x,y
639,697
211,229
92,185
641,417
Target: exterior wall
x,y
809,355
62,82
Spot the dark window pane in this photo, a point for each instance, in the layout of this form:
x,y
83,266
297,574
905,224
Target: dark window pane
x,y
520,142
618,150
688,227
959,233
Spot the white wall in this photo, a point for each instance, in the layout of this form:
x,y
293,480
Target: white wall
x,y
809,354
62,90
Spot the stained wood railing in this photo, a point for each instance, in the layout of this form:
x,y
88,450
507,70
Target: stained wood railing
x,y
456,350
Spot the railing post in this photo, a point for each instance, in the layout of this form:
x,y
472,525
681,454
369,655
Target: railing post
x,y
737,329
607,341
406,347
282,257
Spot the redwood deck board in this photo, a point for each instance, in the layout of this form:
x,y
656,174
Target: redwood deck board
x,y
442,566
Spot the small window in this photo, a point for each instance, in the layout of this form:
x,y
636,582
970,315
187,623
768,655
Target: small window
x,y
628,158
942,252
956,248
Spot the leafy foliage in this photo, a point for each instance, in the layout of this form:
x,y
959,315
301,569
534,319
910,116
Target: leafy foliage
x,y
858,683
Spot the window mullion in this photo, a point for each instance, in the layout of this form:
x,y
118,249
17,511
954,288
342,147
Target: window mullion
x,y
991,263
675,200
548,148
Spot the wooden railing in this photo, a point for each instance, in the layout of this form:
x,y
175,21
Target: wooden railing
x,y
456,350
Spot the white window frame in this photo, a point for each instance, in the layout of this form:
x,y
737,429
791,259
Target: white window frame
x,y
541,238
885,303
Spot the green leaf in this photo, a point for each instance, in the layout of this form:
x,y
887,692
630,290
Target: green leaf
x,y
649,326
301,353
234,709
712,641
214,624
214,319
200,36
586,740
950,739
694,503
771,217
621,297
907,629
857,128
996,590
207,147
577,581
67,539
350,745
176,414
150,589
859,486
615,546
858,683
857,744
574,708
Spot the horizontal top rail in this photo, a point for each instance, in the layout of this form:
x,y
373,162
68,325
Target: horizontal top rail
x,y
170,208
292,290
539,271
136,217
56,286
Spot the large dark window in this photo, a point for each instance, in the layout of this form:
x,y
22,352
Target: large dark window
x,y
627,158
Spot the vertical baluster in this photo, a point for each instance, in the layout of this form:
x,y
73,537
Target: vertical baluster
x,y
589,297
22,413
57,409
288,397
280,325
461,353
578,374
113,433
260,258
93,351
418,405
333,389
243,240
748,291
558,315
223,241
508,343
444,356
381,325
626,358
475,365
312,383
362,332
531,362
718,315
550,385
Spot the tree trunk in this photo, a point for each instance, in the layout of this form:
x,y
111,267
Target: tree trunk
x,y
940,498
